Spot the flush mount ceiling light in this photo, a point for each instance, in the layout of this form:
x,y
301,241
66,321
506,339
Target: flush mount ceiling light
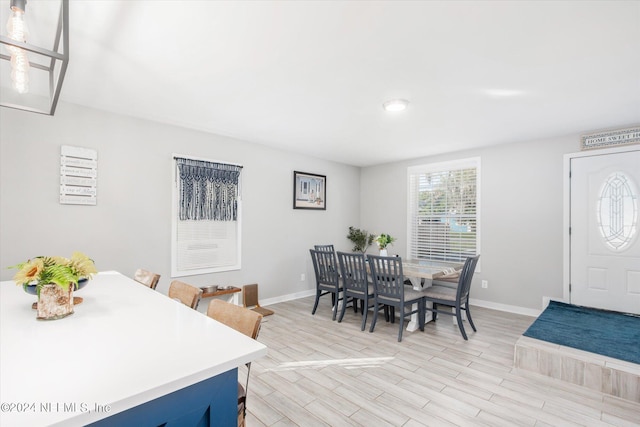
x,y
36,73
396,105
503,93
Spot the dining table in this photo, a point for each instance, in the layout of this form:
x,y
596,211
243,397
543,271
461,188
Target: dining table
x,y
421,273
128,355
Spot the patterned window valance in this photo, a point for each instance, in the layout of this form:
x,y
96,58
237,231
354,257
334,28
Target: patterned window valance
x,y
208,190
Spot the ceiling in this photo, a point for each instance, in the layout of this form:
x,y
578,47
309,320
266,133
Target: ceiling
x,y
311,77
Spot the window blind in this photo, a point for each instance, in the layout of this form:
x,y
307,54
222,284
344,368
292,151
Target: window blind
x,y
206,217
443,210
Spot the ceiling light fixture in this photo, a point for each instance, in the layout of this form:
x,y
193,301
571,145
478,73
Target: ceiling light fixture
x,y
29,59
396,105
17,31
503,93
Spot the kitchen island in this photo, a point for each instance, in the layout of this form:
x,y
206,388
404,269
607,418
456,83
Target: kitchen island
x,y
128,355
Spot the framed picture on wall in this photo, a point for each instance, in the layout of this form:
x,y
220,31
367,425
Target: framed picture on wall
x,y
309,191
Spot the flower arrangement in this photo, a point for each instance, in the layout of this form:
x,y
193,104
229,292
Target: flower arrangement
x,y
57,270
361,239
384,240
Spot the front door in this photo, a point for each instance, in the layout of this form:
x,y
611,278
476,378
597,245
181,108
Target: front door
x,y
605,246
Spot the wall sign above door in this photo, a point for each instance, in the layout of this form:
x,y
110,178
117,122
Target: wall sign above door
x,y
611,138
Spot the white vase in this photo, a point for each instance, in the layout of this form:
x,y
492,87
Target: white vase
x,y
383,252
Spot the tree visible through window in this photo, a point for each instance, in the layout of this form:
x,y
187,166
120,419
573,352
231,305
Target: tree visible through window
x,y
443,210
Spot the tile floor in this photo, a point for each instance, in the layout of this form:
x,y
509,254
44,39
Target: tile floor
x,y
322,373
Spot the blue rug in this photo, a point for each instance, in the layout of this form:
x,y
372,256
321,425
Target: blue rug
x,y
602,332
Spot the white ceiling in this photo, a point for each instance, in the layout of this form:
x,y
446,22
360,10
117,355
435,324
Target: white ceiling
x,y
311,77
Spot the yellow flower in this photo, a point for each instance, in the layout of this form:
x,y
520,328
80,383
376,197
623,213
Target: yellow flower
x,y
58,260
83,265
29,272
55,269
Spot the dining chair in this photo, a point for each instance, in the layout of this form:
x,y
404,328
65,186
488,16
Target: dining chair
x,y
146,277
389,290
330,248
356,284
187,294
457,298
328,280
246,322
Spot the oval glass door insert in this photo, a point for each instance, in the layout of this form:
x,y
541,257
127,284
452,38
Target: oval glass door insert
x,y
617,211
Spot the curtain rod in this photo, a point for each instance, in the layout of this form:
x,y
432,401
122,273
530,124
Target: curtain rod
x,y
186,157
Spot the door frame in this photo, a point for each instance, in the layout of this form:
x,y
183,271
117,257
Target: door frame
x,y
566,222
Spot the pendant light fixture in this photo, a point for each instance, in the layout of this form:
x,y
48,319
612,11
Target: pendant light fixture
x,y
31,64
17,31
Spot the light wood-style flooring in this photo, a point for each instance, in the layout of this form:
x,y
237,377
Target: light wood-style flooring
x,y
319,372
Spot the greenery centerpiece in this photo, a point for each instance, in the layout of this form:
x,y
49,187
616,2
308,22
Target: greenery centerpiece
x,y
55,279
361,239
383,241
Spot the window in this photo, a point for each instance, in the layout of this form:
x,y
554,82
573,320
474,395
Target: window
x,y
617,212
444,200
206,217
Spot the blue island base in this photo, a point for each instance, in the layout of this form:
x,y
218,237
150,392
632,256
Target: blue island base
x,y
212,402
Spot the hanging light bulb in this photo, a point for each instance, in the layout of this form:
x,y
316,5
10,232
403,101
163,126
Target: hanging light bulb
x,y
17,31
20,71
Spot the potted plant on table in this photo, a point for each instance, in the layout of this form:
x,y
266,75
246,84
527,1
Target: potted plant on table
x,y
384,240
54,279
361,239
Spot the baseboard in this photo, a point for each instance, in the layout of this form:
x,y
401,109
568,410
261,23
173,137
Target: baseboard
x,y
505,307
288,297
480,303
547,300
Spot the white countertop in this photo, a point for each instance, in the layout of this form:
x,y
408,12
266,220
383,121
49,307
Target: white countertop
x,y
125,345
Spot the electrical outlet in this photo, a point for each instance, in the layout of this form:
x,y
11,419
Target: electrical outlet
x,y
485,284
302,277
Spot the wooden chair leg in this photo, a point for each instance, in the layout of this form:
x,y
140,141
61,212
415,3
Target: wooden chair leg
x,y
315,305
401,322
469,317
460,325
375,317
364,314
342,311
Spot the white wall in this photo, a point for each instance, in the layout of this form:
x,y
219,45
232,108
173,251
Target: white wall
x,y
131,225
521,208
521,217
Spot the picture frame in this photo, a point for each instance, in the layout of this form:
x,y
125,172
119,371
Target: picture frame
x,y
309,191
